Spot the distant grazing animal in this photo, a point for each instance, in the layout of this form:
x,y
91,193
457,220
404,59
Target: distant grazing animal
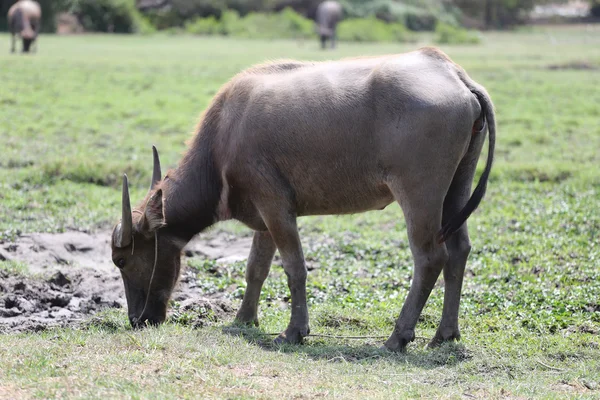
x,y
24,19
329,13
288,139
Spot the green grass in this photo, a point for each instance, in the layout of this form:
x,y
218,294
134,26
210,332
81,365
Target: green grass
x,y
86,109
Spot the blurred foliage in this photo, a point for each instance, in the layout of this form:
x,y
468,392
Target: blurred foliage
x,y
449,34
499,14
180,12
147,15
371,30
119,16
416,15
285,24
290,24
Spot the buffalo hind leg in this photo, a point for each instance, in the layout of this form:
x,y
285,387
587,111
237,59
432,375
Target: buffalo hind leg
x,y
423,218
284,232
257,270
458,245
13,43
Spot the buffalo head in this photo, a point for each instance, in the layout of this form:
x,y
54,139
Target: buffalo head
x,y
147,255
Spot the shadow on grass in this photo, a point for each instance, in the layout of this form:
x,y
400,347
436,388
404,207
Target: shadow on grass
x,y
365,351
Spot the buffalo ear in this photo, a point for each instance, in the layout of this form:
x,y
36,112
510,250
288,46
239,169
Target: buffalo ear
x,y
154,215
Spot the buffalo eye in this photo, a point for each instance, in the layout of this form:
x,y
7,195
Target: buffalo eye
x,y
120,263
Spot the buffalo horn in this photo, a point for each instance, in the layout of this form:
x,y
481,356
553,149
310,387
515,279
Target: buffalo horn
x,y
125,231
156,175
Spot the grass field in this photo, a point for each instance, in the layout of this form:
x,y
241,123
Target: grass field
x,y
85,109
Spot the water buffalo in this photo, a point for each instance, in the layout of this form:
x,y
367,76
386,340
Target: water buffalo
x,y
329,13
289,139
24,19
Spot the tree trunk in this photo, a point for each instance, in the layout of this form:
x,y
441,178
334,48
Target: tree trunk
x,y
489,14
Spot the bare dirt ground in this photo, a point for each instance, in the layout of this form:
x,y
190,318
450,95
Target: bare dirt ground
x,y
71,276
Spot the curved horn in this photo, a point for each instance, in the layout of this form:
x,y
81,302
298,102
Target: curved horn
x,y
125,231
156,175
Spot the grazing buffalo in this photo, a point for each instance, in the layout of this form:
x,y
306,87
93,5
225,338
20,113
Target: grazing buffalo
x,y
24,19
329,13
288,139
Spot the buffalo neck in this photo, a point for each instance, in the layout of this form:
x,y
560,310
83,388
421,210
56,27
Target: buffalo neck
x,y
192,192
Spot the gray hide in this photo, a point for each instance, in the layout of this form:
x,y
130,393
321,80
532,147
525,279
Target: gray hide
x,y
24,19
289,139
329,13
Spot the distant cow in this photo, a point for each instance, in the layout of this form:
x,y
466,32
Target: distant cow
x,y
329,13
293,138
24,19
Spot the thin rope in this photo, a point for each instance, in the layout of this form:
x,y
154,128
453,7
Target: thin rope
x,y
151,276
133,237
549,366
338,336
347,337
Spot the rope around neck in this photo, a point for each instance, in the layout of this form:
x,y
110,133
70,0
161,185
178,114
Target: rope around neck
x,y
153,267
151,276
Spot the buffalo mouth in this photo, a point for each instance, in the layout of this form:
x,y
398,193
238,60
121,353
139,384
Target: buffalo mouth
x,y
27,45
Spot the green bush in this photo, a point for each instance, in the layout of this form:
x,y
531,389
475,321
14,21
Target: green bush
x,y
448,34
120,16
419,20
286,24
296,23
416,15
371,30
181,12
290,24
203,26
230,22
257,25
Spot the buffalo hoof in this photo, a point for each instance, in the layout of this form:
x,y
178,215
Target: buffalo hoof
x,y
244,323
444,335
246,319
398,340
292,335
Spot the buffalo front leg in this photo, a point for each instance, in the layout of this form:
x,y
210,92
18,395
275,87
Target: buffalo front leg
x,y
423,222
257,270
285,235
13,43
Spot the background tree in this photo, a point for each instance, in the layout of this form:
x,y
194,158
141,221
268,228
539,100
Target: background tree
x,y
123,15
595,8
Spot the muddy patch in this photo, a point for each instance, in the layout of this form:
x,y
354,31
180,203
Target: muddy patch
x,y
71,276
28,304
